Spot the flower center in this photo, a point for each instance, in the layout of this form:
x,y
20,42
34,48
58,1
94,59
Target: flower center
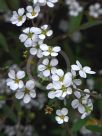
x,y
44,32
62,117
49,66
63,88
16,80
20,18
30,35
33,13
26,91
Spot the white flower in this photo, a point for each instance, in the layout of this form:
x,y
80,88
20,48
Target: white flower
x,y
95,10
14,81
18,18
27,92
61,85
68,2
75,9
29,36
82,70
48,67
32,12
35,49
49,3
75,81
45,32
62,116
82,103
48,50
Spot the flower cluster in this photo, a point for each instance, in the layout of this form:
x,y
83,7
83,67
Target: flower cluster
x,y
62,84
74,7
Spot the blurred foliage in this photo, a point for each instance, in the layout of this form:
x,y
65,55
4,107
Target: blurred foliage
x,y
88,51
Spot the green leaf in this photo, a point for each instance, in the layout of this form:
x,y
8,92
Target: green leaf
x,y
74,23
3,42
8,112
14,4
78,125
94,128
3,5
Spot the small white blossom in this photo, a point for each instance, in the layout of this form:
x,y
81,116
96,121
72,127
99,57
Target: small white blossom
x,y
95,10
83,103
49,3
75,9
83,71
62,115
18,18
68,2
48,50
29,36
27,92
32,12
45,32
35,49
14,81
48,67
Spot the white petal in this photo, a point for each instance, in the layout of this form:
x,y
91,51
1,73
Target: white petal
x,y
50,4
75,67
26,98
77,94
37,9
69,90
23,37
88,70
45,61
14,86
41,67
53,70
75,103
58,93
51,95
28,43
78,63
81,108
57,85
32,93
55,77
35,30
20,74
82,74
68,79
49,86
44,47
49,33
30,84
77,81
11,74
46,73
21,84
66,118
21,11
33,51
56,49
42,36
60,72
64,111
46,53
54,54
58,112
29,8
26,30
53,62
19,94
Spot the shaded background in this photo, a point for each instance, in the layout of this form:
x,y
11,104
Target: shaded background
x,y
80,38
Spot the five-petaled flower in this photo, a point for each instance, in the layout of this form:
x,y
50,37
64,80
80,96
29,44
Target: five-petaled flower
x,y
14,81
18,18
62,115
27,92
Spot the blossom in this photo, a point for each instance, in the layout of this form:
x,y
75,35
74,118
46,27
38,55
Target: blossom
x,y
48,50
60,85
35,49
48,67
14,81
29,36
83,103
18,18
75,9
62,115
95,10
32,12
27,92
49,3
68,2
45,32
82,70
